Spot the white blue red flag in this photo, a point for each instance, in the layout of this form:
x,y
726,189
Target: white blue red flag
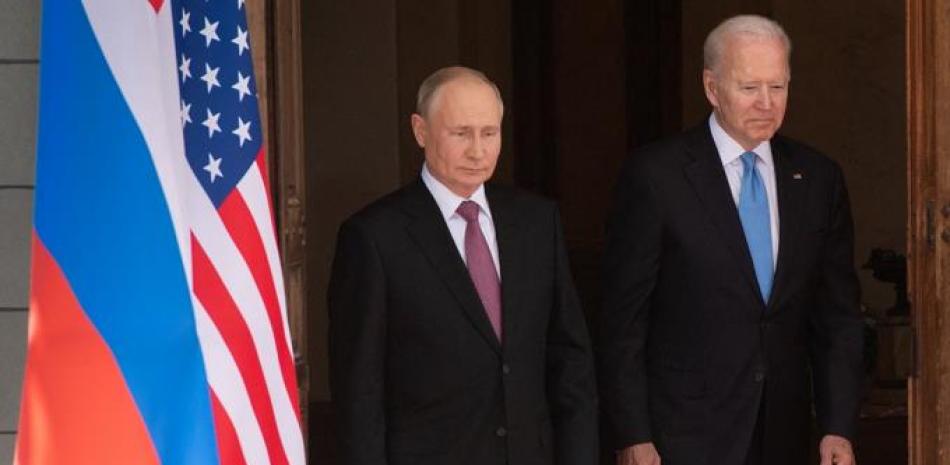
x,y
158,331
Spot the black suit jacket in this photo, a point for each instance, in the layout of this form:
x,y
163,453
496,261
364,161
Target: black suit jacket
x,y
417,374
687,345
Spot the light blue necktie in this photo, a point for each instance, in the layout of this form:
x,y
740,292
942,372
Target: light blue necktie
x,y
754,215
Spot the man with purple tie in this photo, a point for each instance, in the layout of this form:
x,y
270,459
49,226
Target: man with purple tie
x,y
456,334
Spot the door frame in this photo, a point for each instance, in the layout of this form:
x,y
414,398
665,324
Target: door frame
x,y
276,45
928,224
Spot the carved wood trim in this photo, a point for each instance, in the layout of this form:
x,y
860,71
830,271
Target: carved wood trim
x,y
291,177
276,42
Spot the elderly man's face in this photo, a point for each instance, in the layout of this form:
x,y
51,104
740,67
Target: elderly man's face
x,y
461,135
750,89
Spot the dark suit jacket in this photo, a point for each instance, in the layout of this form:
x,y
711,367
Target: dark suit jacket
x,y
687,345
417,374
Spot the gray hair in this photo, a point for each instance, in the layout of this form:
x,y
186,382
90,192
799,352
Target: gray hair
x,y
750,26
431,85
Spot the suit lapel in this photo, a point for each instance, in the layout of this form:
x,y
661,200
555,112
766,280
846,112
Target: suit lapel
x,y
508,234
708,179
431,235
790,182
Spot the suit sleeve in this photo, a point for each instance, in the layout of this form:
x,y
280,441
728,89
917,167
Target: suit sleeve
x,y
837,339
631,264
571,383
357,339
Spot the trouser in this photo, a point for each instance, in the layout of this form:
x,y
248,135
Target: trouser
x,y
756,454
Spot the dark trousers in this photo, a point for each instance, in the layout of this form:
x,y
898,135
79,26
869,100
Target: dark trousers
x,y
756,450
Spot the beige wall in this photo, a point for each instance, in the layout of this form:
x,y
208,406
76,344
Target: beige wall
x,y
847,99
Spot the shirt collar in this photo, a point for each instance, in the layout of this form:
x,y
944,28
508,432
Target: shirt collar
x,y
730,150
449,201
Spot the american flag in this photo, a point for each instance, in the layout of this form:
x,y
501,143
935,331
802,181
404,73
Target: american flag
x,y
238,290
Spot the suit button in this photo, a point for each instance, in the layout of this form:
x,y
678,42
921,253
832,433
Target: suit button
x,y
501,432
759,376
505,368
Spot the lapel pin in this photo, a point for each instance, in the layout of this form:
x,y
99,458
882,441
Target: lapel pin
x,y
797,176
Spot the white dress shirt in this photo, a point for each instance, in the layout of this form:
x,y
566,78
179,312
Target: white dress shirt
x,y
448,202
731,152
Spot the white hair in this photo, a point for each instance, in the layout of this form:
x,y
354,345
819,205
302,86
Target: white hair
x,y
431,85
748,26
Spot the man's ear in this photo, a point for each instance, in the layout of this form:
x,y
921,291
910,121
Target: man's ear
x,y
709,86
419,129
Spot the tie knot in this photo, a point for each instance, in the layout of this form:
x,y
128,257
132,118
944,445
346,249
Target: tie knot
x,y
468,210
748,160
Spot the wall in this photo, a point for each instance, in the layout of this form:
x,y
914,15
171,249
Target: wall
x,y
848,99
19,33
350,123
590,129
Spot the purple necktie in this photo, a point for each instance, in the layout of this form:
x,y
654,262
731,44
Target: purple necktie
x,y
481,267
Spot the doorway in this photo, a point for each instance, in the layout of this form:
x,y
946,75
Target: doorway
x,y
589,82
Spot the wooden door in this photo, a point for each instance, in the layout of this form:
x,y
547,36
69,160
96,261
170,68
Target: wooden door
x,y
928,132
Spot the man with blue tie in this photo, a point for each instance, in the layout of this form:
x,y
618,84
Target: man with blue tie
x,y
731,303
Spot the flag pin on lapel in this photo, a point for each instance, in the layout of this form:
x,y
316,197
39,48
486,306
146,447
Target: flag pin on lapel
x,y
797,176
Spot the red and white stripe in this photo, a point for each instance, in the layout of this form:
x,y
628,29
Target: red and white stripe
x,y
237,285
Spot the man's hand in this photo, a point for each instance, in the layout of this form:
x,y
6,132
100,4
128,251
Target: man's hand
x,y
836,450
639,454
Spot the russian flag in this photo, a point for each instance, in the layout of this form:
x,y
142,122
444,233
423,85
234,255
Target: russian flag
x,y
157,330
